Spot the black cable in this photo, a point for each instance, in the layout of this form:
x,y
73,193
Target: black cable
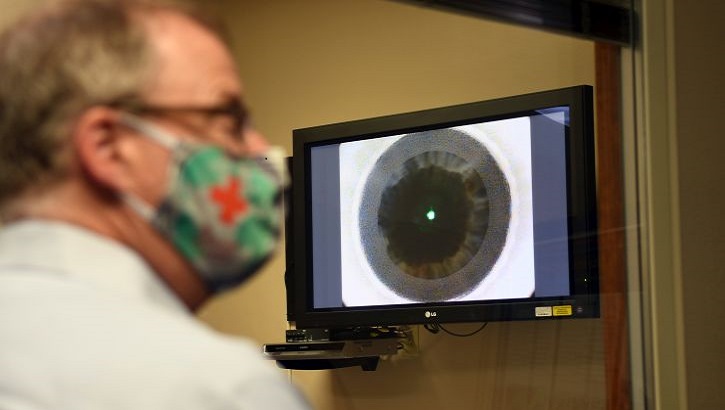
x,y
435,328
432,327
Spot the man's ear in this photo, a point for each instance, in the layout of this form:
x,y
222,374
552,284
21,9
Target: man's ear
x,y
98,141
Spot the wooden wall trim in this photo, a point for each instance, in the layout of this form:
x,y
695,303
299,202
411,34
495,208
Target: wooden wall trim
x,y
612,260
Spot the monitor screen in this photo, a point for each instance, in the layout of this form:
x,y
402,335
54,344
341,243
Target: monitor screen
x,y
475,212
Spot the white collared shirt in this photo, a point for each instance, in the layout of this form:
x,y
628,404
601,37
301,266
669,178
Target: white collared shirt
x,y
86,324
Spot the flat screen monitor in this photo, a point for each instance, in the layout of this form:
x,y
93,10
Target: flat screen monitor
x,y
484,211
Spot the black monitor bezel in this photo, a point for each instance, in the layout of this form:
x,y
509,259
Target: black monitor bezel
x,y
582,214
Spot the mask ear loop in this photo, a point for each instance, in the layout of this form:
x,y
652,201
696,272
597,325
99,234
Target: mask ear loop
x,y
138,205
161,137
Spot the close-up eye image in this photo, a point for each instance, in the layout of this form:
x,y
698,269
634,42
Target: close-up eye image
x,y
432,216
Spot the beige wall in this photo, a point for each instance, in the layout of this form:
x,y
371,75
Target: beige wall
x,y
13,9
314,62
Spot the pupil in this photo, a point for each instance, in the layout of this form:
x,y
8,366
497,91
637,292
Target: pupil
x,y
428,214
431,215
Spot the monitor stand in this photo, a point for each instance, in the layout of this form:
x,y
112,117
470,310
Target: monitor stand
x,y
318,349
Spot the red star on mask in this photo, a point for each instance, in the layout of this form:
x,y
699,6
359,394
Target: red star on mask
x,y
229,199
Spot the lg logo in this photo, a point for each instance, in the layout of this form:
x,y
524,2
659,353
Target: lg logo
x,y
429,314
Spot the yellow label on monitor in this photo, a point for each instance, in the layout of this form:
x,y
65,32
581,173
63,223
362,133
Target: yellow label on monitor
x,y
563,310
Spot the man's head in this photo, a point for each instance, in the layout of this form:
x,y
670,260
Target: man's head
x,y
62,60
70,73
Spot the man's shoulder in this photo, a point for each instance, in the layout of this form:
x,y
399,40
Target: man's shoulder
x,y
63,332
77,311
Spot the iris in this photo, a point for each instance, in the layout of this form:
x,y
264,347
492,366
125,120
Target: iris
x,y
435,216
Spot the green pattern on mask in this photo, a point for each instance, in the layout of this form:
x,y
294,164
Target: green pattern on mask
x,y
200,169
255,235
261,188
185,236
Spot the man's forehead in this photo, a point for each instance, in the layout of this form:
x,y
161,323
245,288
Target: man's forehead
x,y
189,58
174,31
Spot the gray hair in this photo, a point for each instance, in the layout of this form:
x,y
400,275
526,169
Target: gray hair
x,y
56,63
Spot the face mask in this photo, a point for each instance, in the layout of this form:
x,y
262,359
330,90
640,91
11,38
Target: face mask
x,y
221,213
